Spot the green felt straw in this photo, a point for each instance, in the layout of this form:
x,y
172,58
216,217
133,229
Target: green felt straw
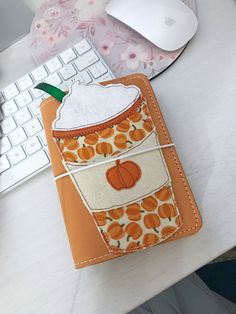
x,y
51,90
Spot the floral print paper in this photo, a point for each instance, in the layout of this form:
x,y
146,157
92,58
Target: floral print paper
x,y
60,23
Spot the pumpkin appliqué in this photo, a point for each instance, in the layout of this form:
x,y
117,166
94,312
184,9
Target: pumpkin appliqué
x,y
141,224
104,149
91,139
123,126
123,175
86,152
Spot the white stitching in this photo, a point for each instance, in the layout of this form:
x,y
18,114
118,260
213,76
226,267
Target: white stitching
x,y
93,259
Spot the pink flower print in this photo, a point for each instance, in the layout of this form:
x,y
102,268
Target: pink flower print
x,y
105,47
151,64
40,24
51,39
52,13
133,55
90,8
44,33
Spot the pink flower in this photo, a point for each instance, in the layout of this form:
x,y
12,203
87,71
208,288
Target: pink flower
x,y
105,47
44,33
40,24
52,13
51,39
133,55
151,64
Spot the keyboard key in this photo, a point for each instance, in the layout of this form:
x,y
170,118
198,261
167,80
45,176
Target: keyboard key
x,y
39,73
27,167
37,92
33,127
70,81
1,115
65,85
82,47
40,119
53,65
8,125
54,79
97,69
32,145
84,77
34,106
23,99
11,91
25,82
104,78
43,138
18,136
68,71
16,155
5,145
22,116
9,107
1,99
86,60
4,164
68,55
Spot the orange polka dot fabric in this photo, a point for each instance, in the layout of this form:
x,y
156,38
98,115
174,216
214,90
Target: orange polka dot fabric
x,y
141,224
110,141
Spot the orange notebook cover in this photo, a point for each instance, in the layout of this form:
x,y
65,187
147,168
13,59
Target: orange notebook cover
x,y
169,213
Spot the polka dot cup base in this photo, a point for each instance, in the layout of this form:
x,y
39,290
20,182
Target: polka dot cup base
x,y
140,225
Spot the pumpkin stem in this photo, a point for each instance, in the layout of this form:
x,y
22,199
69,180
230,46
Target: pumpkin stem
x,y
155,229
138,242
122,225
169,218
129,142
83,145
108,218
51,90
118,243
128,238
134,126
105,155
117,162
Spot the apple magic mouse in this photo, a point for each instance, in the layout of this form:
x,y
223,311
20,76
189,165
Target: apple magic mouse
x,y
168,24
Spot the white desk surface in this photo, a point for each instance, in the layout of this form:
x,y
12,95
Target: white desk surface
x,y
198,99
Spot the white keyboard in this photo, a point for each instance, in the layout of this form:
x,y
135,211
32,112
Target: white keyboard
x,y
23,147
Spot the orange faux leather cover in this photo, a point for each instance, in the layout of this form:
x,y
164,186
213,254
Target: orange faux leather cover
x,y
86,243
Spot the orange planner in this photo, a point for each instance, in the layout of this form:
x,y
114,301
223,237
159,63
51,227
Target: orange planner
x,y
120,182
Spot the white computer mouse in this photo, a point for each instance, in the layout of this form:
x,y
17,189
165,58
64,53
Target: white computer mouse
x,y
168,24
